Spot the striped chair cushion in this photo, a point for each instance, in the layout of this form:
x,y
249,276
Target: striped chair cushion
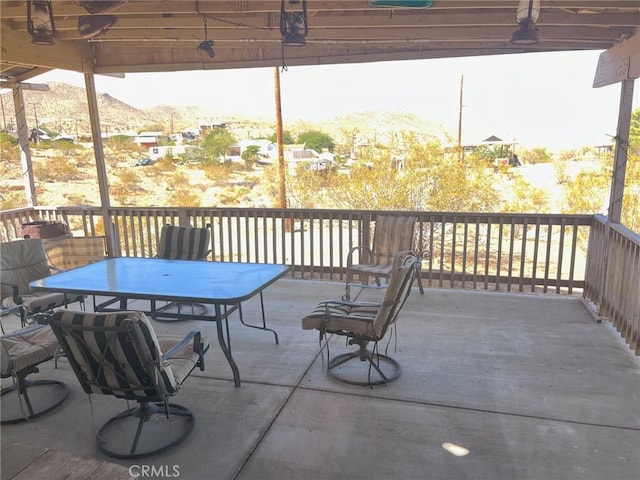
x,y
72,252
184,243
335,317
392,239
115,354
368,320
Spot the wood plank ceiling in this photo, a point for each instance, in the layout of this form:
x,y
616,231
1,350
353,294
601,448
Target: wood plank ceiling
x,y
163,35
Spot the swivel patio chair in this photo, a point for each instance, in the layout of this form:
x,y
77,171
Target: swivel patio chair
x,y
393,238
20,354
67,253
119,354
363,323
182,243
21,262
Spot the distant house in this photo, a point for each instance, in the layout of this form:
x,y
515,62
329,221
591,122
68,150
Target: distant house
x,y
205,127
38,134
147,139
157,152
65,137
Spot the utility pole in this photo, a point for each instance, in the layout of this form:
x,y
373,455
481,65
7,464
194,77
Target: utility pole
x,y
279,136
460,151
35,116
4,120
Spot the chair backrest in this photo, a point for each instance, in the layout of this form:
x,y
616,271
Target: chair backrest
x,y
73,252
392,234
21,262
396,294
184,243
114,354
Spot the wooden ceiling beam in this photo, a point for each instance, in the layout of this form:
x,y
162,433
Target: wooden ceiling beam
x,y
347,21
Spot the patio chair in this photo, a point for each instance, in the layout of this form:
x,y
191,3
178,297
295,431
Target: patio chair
x,y
392,240
119,354
21,262
363,323
182,243
20,354
67,253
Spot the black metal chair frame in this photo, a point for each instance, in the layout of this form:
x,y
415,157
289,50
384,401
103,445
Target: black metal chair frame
x,y
22,387
148,407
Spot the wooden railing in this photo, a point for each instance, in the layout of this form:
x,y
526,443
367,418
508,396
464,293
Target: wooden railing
x,y
505,252
523,252
612,278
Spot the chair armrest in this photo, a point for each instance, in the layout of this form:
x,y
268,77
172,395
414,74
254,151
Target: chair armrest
x,y
399,257
198,347
344,303
365,254
55,269
364,285
23,331
15,292
183,343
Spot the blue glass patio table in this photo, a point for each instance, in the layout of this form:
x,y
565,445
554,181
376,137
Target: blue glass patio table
x,y
224,285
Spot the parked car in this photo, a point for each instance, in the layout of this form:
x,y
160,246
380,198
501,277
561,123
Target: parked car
x,y
144,161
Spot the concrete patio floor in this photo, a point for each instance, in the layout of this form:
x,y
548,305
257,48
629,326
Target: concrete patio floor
x,y
529,386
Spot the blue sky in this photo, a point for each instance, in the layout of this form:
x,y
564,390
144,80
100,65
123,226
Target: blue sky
x,y
536,99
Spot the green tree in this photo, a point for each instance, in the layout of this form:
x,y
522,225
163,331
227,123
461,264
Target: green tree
x,y
317,140
251,155
287,138
215,145
152,127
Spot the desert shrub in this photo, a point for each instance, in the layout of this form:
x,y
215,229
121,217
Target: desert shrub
x,y
127,188
536,155
56,169
10,200
526,198
560,167
233,197
219,173
177,181
185,197
77,199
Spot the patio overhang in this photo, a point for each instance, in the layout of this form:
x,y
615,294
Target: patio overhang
x,y
156,36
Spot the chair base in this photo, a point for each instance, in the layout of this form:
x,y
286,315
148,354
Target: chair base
x,y
115,436
174,310
382,368
33,405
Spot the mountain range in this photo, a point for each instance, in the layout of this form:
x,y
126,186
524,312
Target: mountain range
x,y
63,109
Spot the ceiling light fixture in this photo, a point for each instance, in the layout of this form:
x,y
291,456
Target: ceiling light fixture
x,y
293,25
40,23
90,26
526,16
99,6
206,45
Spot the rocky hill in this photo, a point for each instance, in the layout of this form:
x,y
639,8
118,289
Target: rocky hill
x,y
64,109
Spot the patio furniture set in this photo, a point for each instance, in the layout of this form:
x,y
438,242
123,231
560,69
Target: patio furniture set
x,y
114,350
